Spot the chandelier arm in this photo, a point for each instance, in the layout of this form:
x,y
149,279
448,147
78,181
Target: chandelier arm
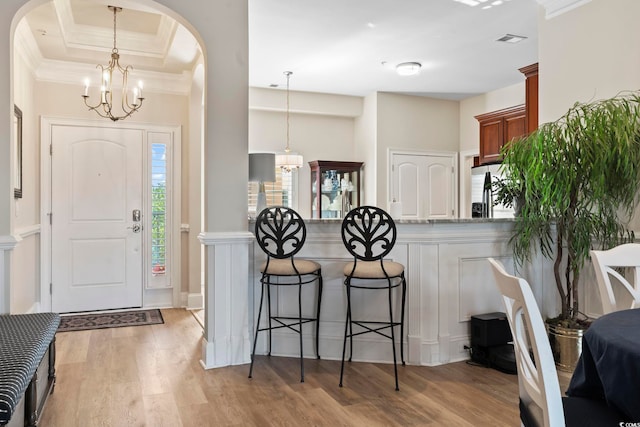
x,y
96,109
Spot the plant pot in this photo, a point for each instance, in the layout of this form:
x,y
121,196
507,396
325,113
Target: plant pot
x,y
566,345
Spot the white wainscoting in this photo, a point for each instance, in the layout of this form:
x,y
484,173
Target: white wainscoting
x,y
226,337
7,243
448,280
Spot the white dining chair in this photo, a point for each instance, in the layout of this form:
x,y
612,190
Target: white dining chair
x,y
618,292
541,403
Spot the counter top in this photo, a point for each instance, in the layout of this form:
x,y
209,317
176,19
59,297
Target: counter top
x,y
419,221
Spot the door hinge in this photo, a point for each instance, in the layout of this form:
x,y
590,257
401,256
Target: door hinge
x,y
51,149
50,214
50,288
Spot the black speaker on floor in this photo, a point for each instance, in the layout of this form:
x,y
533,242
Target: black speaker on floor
x,y
491,342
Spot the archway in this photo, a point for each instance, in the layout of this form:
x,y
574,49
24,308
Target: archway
x,y
221,28
35,95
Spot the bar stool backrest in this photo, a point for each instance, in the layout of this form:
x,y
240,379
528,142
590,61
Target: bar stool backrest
x,y
368,233
280,232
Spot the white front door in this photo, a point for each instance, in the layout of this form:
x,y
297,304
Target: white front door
x,y
96,186
424,184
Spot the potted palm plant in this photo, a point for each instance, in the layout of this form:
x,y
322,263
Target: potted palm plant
x,y
579,179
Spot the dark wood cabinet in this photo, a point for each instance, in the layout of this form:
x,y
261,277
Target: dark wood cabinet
x,y
531,91
336,187
497,128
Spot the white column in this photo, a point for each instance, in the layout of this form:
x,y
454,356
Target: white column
x,y
226,333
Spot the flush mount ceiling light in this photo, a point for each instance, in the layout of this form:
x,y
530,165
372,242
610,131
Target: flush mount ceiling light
x,y
408,68
486,3
511,38
105,107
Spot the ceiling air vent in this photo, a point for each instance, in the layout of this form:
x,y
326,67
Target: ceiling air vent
x,y
511,38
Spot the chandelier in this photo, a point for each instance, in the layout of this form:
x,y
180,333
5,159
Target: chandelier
x,y
130,102
289,160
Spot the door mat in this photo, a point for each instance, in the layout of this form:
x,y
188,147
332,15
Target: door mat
x,y
116,319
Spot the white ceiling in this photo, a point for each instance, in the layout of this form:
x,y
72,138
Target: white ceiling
x,y
334,46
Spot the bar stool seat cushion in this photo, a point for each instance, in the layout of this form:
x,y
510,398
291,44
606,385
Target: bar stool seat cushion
x,y
373,269
283,267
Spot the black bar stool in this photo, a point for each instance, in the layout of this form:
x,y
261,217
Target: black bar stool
x,y
369,234
281,233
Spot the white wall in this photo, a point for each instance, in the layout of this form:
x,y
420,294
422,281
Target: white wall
x,y
64,101
588,53
412,122
26,211
366,134
192,191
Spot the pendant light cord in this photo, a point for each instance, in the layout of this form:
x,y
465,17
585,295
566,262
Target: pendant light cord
x,y
288,74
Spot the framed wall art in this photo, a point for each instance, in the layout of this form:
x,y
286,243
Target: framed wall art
x,y
17,158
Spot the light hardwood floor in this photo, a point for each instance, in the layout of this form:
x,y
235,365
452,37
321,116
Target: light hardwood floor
x,y
151,376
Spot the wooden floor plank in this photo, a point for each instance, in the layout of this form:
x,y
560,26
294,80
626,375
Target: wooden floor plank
x,y
151,376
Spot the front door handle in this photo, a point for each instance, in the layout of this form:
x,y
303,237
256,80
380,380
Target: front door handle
x,y
135,227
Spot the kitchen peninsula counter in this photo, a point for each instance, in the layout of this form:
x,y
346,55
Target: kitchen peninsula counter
x,y
418,221
448,281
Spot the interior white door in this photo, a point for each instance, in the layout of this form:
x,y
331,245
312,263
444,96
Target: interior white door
x,y
424,184
96,186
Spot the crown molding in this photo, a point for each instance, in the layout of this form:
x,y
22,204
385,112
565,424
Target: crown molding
x,y
75,73
554,8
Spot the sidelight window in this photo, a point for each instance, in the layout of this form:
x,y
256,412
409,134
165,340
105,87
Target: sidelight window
x,y
158,221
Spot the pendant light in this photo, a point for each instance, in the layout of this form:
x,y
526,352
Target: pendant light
x,y
289,160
